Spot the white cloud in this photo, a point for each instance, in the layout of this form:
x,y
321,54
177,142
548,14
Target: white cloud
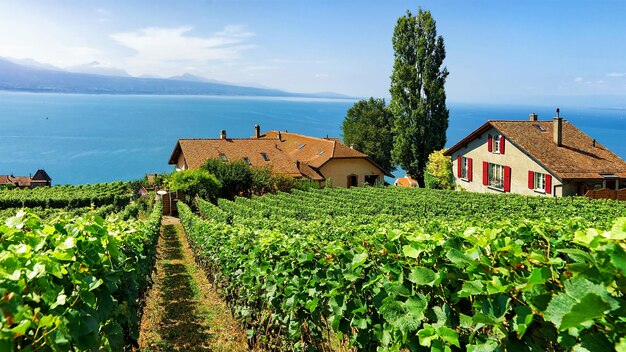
x,y
616,74
578,79
167,50
321,75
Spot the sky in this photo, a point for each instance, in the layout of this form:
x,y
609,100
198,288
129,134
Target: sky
x,y
497,51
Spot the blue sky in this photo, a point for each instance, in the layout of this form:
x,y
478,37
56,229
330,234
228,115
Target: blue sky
x,y
497,51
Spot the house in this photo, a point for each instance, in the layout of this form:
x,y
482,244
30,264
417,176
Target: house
x,y
325,160
544,158
40,179
406,181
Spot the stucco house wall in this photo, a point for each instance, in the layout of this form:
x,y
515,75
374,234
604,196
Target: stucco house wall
x,y
519,162
337,171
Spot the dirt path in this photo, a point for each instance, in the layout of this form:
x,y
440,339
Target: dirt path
x,y
183,311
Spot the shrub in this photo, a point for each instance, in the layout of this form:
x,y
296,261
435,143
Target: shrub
x,y
195,183
438,173
235,177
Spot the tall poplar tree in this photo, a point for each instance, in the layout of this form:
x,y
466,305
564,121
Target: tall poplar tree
x,y
418,97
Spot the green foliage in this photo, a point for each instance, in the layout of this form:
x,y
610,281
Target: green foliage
x,y
99,194
406,269
418,98
73,284
438,173
235,177
263,181
195,183
368,128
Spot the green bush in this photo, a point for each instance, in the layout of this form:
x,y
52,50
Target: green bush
x,y
236,177
438,173
195,183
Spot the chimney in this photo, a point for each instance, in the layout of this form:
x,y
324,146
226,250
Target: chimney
x,y
557,129
533,117
223,134
257,131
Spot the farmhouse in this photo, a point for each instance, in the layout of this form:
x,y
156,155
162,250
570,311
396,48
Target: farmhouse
x,y
544,158
39,179
324,160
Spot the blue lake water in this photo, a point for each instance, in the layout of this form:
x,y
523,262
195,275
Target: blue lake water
x,y
100,138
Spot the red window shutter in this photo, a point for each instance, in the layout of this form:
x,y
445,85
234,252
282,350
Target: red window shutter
x,y
458,166
489,143
548,184
507,179
485,173
531,180
469,169
501,144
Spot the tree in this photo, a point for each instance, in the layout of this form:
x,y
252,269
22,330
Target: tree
x,y
195,183
368,128
235,177
418,97
438,173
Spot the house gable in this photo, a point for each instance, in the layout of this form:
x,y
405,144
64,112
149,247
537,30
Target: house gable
x,y
514,160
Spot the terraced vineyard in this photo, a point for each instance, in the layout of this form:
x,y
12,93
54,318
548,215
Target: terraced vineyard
x,y
99,194
73,270
404,269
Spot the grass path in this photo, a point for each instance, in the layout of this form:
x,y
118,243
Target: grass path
x,y
183,311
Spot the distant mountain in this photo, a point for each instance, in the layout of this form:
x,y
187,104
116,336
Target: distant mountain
x,y
97,68
16,77
33,64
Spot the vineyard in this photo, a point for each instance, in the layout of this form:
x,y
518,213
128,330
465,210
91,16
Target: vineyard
x,y
116,193
406,269
73,267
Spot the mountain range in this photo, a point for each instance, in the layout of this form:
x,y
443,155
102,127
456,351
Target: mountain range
x,y
94,78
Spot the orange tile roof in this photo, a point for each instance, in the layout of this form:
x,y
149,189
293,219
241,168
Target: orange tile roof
x,y
405,181
198,151
289,153
316,151
576,159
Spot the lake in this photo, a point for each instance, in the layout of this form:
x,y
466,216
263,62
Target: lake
x,y
100,138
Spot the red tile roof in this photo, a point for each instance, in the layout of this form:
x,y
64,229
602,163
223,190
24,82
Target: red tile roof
x,y
289,153
580,156
406,181
316,151
198,151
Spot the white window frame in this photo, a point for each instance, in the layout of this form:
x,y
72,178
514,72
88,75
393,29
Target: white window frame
x,y
496,176
496,144
539,182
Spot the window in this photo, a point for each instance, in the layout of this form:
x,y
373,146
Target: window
x,y
540,181
496,144
246,160
300,146
371,179
496,176
464,167
265,157
223,157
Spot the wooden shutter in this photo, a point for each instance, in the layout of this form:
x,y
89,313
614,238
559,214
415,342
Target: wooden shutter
x,y
501,144
485,173
490,143
469,169
531,180
459,159
548,183
507,179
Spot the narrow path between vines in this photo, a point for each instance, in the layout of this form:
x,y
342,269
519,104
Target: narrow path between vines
x,y
183,311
